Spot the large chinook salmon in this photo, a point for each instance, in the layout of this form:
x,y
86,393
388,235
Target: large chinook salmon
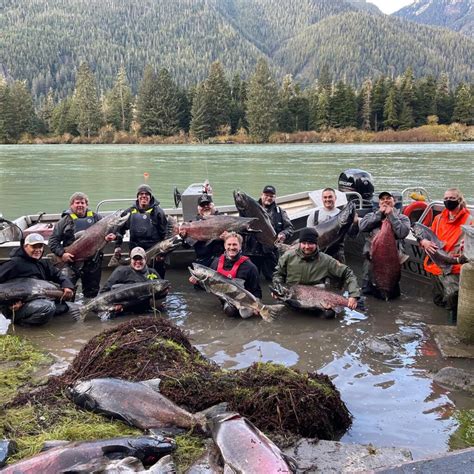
x,y
309,297
121,294
333,230
443,259
234,293
385,259
26,289
134,402
211,227
66,458
92,240
249,207
245,448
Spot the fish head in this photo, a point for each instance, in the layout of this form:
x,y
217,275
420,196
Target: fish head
x,y
116,220
159,286
80,393
151,448
420,231
200,272
281,291
240,199
346,216
215,422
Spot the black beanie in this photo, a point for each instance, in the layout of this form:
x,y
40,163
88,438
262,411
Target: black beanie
x,y
309,234
144,188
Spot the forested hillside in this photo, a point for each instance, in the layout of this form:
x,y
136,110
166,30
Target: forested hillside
x,y
457,15
44,41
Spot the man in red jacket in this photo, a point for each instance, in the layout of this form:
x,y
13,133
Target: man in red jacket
x,y
447,226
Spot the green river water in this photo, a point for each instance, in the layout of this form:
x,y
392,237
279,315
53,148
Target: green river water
x,y
392,397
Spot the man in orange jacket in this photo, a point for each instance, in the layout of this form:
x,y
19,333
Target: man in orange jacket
x,y
447,226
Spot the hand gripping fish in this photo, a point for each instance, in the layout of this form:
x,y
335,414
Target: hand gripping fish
x,y
234,293
443,259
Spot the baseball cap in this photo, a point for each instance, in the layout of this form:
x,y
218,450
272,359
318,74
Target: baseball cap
x,y
137,252
204,198
269,189
33,239
384,193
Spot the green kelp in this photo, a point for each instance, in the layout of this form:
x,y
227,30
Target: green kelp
x,y
279,400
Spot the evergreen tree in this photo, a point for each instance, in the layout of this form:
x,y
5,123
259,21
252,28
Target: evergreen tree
x,y
46,111
64,118
406,100
379,97
425,100
7,118
444,100
167,104
184,110
147,103
325,79
323,114
366,104
262,103
219,98
86,102
350,107
390,114
237,107
201,122
463,105
337,105
23,110
118,103
287,94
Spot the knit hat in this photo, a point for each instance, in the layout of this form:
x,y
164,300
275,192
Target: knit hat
x,y
144,188
309,234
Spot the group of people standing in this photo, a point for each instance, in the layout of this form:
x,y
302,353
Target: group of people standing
x,y
232,255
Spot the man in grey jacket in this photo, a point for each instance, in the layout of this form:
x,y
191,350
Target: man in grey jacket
x,y
371,224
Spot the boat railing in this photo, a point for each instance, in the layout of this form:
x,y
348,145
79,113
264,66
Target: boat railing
x,y
433,208
107,201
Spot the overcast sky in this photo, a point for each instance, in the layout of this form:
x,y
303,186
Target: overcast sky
x,y
390,6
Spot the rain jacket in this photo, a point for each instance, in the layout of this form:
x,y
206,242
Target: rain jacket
x,y
294,267
450,233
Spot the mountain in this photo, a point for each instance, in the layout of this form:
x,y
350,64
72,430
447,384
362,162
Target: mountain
x,y
44,41
364,6
457,15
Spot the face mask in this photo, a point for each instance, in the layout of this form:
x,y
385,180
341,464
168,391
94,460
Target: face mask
x,y
451,205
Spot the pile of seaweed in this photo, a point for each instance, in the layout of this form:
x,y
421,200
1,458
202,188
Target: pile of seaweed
x,y
277,399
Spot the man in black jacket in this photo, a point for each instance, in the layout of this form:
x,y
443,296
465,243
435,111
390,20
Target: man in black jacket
x,y
27,262
147,224
76,219
266,258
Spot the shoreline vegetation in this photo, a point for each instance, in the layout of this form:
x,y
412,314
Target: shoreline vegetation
x,y
455,132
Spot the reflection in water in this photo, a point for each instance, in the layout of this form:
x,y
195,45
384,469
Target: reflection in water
x,y
391,397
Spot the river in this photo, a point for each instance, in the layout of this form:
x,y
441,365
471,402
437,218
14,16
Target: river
x,y
392,397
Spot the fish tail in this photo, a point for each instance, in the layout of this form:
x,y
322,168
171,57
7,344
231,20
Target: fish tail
x,y
270,312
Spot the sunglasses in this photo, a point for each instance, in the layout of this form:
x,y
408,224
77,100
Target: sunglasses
x,y
137,258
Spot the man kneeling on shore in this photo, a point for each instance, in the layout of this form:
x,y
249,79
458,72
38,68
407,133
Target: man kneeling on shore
x,y
137,272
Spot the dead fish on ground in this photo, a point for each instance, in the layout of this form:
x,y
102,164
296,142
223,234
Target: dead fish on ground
x,y
135,403
64,458
310,297
245,448
234,293
208,462
120,294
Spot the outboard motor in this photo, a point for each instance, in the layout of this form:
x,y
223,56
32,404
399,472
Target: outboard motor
x,y
357,181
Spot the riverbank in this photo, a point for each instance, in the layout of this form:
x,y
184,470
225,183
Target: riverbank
x,y
455,132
